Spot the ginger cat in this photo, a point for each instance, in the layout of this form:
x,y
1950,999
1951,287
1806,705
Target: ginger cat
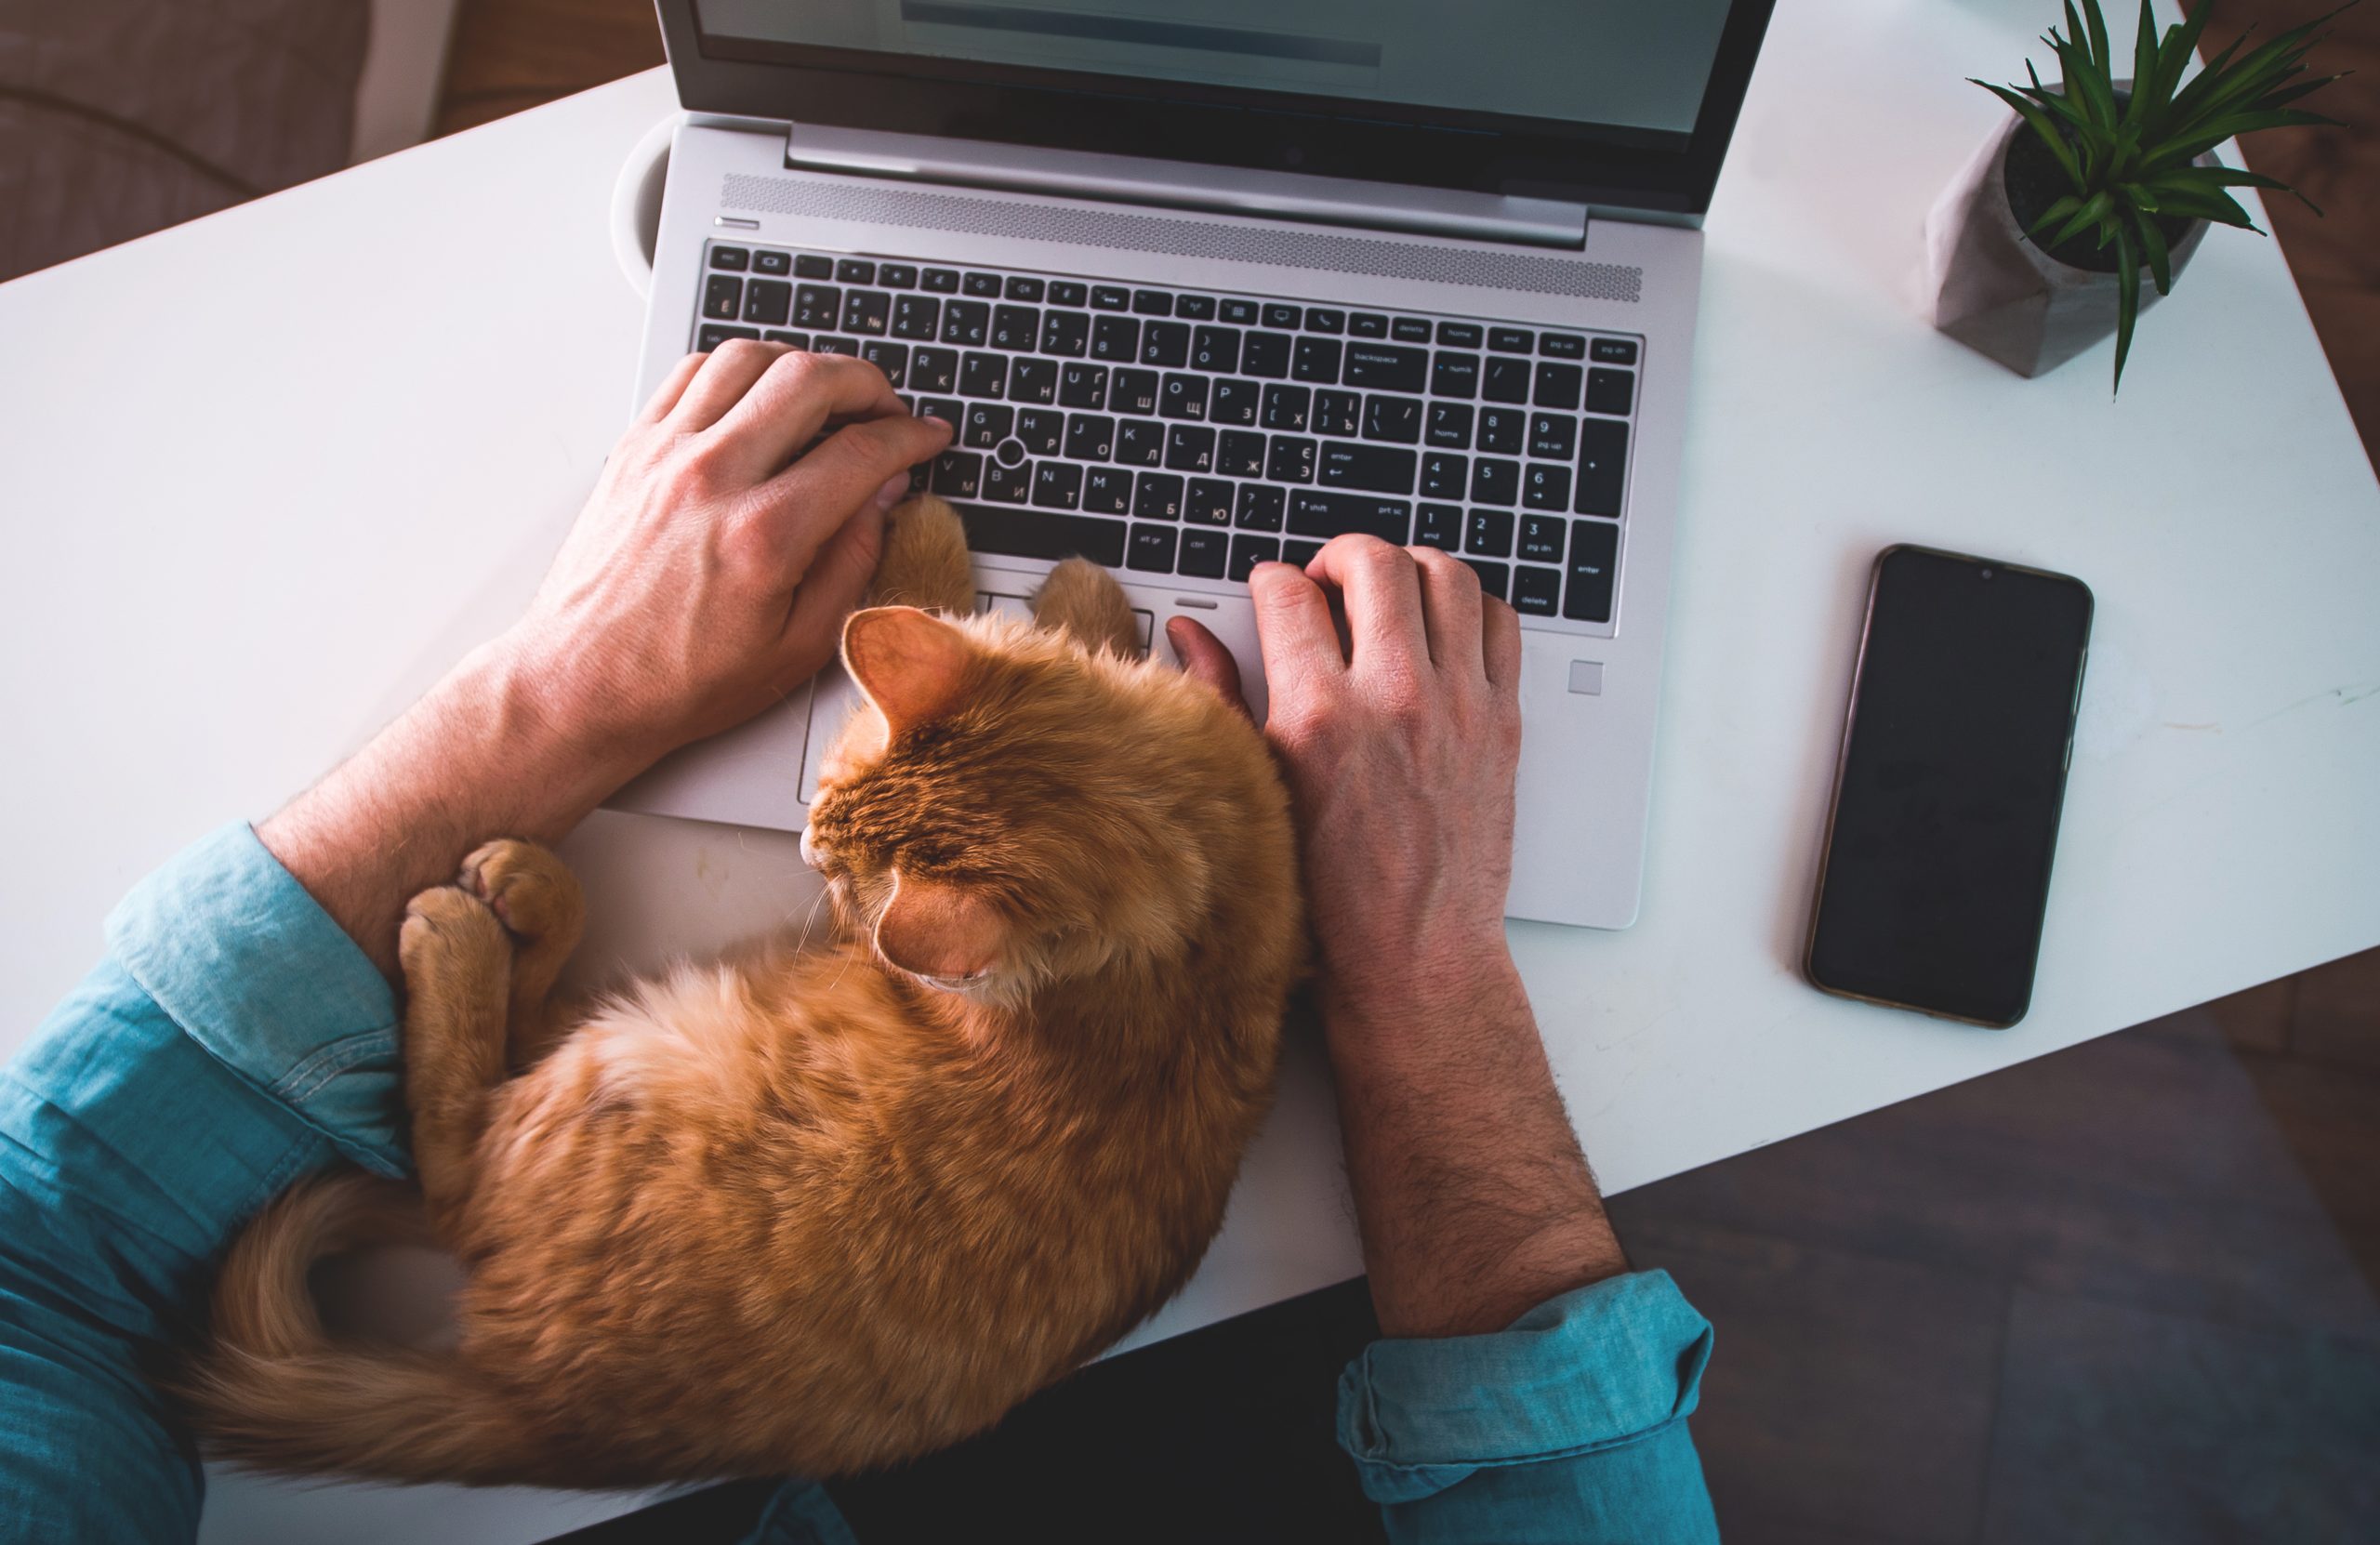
x,y
820,1211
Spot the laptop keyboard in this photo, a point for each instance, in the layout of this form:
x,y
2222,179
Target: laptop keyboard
x,y
1164,431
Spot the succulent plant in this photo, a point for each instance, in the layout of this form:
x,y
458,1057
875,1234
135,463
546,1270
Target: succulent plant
x,y
2131,158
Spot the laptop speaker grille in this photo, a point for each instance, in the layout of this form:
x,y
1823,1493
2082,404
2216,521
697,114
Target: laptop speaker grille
x,y
1126,231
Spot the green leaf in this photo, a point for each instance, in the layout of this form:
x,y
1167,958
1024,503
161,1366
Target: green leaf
x,y
2090,211
2206,205
2175,56
2144,69
2197,141
2066,205
2284,97
2139,195
2127,300
2086,82
2100,55
2152,242
2041,125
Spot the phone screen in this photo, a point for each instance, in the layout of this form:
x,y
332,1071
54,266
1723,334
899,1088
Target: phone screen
x,y
1936,875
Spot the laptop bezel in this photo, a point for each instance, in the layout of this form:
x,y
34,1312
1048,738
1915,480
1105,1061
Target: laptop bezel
x,y
1269,131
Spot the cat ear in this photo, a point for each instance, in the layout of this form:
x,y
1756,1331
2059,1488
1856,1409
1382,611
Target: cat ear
x,y
913,666
938,931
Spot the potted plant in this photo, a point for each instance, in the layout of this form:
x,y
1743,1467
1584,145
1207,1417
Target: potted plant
x,y
2035,252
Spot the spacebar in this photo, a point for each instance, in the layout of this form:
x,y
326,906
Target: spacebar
x,y
1042,533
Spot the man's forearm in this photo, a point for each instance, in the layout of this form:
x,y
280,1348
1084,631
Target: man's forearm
x,y
1474,1202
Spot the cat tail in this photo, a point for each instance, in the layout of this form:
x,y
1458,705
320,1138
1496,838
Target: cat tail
x,y
270,1387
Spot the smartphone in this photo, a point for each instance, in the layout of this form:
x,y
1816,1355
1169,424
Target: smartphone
x,y
1935,880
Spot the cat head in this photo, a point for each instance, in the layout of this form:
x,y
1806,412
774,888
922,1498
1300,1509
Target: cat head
x,y
1006,810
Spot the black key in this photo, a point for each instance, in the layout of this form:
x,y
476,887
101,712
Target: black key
x,y
1152,549
1493,577
809,264
1231,402
866,312
1439,525
1021,288
1315,360
1374,468
1282,316
1502,431
1368,324
1386,368
897,276
1459,334
1288,407
1189,448
1209,502
1603,466
825,345
854,271
1041,429
1545,487
1395,419
1107,298
1005,485
1166,343
799,340
1495,482
1510,340
1444,475
1240,454
1337,412
1017,327
1067,334
1115,337
766,261
982,375
1066,292
1204,554
1541,538
1043,536
965,323
1553,435
987,424
1260,507
948,409
1082,386
957,474
939,281
916,316
1090,437
1031,380
933,369
891,358
1182,397
1455,375
1451,425
714,335
985,284
1290,459
723,298
1216,349
1537,592
1152,303
1298,554
1595,557
1107,489
1132,391
1562,346
1157,497
1240,313
1504,380
1612,351
1490,533
1557,385
737,258
1140,443
767,300
1249,551
1312,513
1611,390
1409,329
1265,354
1325,319
1194,308
1057,484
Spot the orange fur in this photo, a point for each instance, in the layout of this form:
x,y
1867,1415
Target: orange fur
x,y
815,1211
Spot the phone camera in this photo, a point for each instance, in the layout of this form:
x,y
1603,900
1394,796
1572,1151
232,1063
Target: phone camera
x,y
1987,574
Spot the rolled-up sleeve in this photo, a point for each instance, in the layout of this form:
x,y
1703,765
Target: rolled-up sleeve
x,y
1570,1425
231,1039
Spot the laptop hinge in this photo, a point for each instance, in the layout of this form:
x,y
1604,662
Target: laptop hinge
x,y
1190,184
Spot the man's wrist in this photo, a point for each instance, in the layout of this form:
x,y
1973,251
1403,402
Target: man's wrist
x,y
1441,990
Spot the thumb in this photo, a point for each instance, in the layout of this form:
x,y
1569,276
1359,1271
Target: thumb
x,y
1204,658
837,580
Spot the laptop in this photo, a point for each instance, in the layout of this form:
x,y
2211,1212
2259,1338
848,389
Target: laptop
x,y
1206,283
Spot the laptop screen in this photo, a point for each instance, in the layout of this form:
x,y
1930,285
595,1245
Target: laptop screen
x,y
1619,71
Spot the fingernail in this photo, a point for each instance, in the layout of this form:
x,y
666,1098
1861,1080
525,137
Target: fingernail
x,y
894,488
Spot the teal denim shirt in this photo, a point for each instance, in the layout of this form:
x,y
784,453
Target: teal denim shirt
x,y
233,1039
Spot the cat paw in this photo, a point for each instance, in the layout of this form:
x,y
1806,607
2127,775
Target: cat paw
x,y
925,562
1081,598
531,892
449,934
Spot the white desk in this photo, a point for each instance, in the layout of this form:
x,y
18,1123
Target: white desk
x,y
265,475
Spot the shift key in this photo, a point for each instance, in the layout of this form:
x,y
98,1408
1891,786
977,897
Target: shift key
x,y
1328,515
1374,468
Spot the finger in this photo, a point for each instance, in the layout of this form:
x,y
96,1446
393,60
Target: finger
x,y
1205,658
794,399
1451,598
1500,645
672,388
1382,592
808,502
833,586
726,375
1294,628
